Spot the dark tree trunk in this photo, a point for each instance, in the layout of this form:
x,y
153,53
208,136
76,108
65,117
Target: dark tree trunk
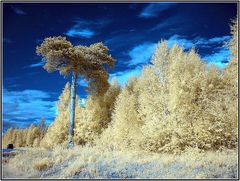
x,y
72,110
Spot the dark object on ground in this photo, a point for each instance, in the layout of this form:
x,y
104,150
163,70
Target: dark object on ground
x,y
8,152
10,146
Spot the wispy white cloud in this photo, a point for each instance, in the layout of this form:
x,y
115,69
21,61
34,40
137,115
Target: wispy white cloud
x,y
152,10
80,33
27,106
179,40
219,39
198,42
123,76
39,64
83,28
18,10
207,42
141,54
219,58
221,55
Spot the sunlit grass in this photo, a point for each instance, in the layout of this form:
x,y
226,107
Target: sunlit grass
x,y
90,162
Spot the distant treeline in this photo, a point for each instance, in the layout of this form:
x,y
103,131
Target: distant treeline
x,y
28,137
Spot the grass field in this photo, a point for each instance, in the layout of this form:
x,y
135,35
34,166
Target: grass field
x,y
90,162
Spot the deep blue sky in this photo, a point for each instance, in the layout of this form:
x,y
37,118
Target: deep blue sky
x,y
130,30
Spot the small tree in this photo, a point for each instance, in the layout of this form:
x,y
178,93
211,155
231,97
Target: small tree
x,y
57,132
42,128
42,125
88,62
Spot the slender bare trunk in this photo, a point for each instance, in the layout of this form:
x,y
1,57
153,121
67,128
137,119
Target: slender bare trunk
x,y
72,110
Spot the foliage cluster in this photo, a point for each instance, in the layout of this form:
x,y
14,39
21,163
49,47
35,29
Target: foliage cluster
x,y
29,137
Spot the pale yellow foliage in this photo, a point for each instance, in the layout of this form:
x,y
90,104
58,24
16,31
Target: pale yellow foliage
x,y
89,62
90,120
177,102
124,129
8,137
94,117
30,136
57,133
33,136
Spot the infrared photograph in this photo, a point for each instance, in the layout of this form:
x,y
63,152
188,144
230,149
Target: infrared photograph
x,y
119,90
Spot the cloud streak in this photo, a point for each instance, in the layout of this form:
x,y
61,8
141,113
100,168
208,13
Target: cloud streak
x,y
154,9
197,42
39,64
215,40
85,29
219,58
80,33
18,10
219,39
123,76
221,55
27,106
181,41
141,54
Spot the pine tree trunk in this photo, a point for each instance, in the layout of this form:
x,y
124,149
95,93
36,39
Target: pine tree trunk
x,y
72,110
